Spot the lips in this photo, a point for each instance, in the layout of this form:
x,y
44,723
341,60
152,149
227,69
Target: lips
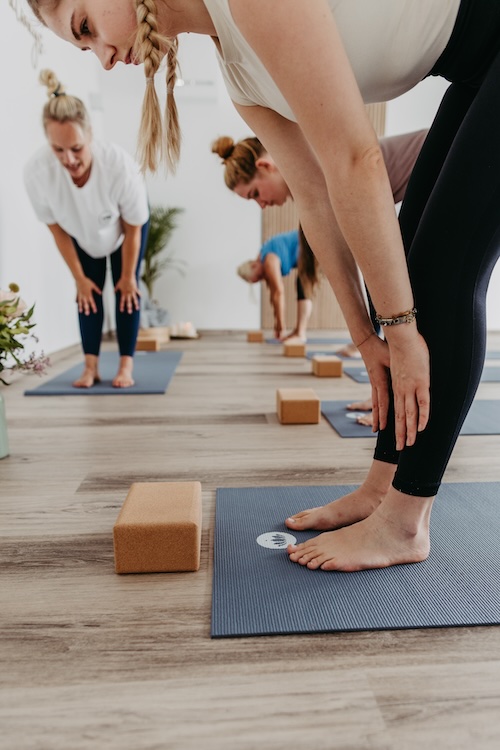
x,y
131,58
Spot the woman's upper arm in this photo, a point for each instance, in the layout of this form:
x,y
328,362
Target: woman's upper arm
x,y
272,272
299,44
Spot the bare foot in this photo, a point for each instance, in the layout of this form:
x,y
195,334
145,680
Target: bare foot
x,y
378,541
349,350
296,337
351,508
123,378
360,405
365,419
87,379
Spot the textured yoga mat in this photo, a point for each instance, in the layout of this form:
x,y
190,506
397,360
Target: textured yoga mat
x,y
359,374
491,375
315,352
258,591
152,374
313,341
482,419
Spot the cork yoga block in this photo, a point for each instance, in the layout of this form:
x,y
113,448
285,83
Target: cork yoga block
x,y
294,349
158,529
148,345
161,333
255,337
327,366
298,406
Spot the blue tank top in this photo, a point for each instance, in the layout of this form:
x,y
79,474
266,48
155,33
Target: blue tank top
x,y
286,247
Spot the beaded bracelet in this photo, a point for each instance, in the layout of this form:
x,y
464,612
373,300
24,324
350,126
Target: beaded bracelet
x,y
395,320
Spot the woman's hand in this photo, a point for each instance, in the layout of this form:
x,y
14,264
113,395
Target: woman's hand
x,y
129,294
407,358
85,289
375,353
410,375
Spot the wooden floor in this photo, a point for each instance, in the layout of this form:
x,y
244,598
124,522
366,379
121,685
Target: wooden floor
x,y
89,659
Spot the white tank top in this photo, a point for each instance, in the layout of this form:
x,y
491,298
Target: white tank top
x,y
391,44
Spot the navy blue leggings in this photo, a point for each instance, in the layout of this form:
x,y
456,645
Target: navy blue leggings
x,y
450,223
127,324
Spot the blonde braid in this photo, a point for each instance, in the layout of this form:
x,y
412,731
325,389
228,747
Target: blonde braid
x,y
148,47
173,139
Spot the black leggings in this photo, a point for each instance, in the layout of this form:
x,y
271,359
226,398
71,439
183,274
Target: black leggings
x,y
127,324
450,223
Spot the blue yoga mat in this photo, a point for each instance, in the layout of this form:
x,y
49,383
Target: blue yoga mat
x,y
312,341
152,374
359,374
482,419
314,353
258,591
490,375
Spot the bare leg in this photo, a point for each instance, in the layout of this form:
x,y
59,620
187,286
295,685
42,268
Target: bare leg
x,y
123,378
352,507
396,532
304,310
90,374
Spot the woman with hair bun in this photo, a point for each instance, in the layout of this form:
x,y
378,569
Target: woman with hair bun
x,y
93,199
251,173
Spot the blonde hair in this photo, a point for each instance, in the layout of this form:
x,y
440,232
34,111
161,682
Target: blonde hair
x,y
159,137
239,159
246,271
62,107
307,266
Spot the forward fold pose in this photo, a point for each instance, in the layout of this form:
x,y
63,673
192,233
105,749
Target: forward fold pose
x,y
299,72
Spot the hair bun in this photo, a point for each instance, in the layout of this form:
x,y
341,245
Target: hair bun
x,y
49,79
224,147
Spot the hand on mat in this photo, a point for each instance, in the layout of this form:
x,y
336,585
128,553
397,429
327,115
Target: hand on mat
x,y
375,353
410,376
85,289
129,294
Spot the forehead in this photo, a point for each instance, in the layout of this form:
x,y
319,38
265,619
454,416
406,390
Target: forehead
x,y
63,132
57,16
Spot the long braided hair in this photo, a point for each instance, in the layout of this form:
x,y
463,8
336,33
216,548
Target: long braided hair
x,y
159,137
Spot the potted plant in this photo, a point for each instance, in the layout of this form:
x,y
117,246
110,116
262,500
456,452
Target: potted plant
x,y
162,224
15,328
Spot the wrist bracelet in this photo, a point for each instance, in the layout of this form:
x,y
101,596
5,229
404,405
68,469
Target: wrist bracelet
x,y
365,340
395,320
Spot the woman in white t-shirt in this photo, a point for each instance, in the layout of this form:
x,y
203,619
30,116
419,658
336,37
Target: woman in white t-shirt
x,y
93,199
299,73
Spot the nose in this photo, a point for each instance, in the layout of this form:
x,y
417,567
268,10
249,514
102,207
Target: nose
x,y
107,55
69,158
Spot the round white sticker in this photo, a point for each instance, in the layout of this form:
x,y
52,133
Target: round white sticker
x,y
276,540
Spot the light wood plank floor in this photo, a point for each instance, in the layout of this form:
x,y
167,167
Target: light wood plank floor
x,y
89,659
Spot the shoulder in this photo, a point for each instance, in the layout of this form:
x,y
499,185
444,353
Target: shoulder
x,y
114,157
40,169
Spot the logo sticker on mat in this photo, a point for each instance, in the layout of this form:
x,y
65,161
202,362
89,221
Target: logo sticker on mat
x,y
275,540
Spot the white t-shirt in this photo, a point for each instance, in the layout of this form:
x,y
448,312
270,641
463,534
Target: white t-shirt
x,y
90,214
391,45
